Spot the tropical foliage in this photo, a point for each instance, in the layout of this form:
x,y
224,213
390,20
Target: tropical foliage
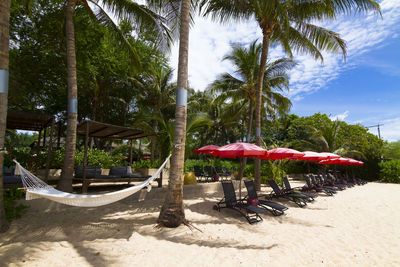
x,y
390,171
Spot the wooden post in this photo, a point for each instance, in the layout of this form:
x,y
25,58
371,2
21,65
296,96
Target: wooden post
x,y
49,150
38,143
85,157
44,137
59,135
130,152
160,179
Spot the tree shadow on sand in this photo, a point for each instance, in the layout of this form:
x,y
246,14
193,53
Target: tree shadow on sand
x,y
74,226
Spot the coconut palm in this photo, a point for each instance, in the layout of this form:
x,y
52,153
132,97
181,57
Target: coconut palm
x,y
172,213
289,23
240,88
4,39
156,88
134,13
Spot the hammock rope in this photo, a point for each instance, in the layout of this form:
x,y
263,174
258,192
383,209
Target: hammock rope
x,y
36,188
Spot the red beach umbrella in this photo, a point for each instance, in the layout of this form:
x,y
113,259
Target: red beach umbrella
x,y
355,162
210,149
329,155
312,156
240,150
282,153
338,161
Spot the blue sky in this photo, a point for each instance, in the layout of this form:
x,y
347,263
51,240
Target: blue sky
x,y
365,89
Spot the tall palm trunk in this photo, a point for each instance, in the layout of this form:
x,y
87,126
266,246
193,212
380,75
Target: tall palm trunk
x,y
65,182
4,44
244,160
260,79
172,213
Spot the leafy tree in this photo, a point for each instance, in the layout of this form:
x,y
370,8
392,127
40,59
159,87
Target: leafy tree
x,y
240,88
392,150
134,13
288,23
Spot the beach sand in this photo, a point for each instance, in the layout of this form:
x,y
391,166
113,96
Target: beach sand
x,y
359,226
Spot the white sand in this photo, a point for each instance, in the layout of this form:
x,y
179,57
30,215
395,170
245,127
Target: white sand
x,y
357,227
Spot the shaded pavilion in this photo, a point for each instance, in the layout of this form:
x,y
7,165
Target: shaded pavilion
x,y
30,121
89,128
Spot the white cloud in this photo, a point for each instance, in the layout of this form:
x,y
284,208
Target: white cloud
x,y
340,117
362,34
210,41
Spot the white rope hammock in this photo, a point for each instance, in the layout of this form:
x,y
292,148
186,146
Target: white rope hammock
x,y
36,188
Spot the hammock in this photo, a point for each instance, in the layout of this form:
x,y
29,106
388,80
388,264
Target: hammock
x,y
36,188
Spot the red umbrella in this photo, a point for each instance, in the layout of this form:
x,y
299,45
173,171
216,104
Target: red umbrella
x,y
338,161
312,156
355,162
329,155
240,150
210,149
282,153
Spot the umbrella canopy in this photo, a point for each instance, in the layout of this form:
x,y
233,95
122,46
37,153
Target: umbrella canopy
x,y
355,162
311,156
210,149
240,150
329,155
282,153
338,161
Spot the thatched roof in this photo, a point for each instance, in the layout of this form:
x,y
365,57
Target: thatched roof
x,y
104,130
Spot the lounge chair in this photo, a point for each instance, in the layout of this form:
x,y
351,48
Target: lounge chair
x,y
332,179
198,172
273,207
320,185
251,213
311,187
208,173
222,173
288,188
325,182
125,172
299,199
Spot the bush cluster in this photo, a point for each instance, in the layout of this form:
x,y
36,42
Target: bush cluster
x,y
390,171
229,165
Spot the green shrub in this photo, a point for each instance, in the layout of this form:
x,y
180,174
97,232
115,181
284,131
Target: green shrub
x,y
98,157
190,163
12,209
146,164
390,171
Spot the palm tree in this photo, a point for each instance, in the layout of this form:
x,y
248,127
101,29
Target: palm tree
x,y
241,87
135,14
156,88
289,23
4,39
172,213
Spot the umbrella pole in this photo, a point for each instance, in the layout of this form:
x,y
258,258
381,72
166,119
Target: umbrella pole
x,y
240,179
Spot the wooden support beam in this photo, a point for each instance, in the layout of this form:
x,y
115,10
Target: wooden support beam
x,y
49,150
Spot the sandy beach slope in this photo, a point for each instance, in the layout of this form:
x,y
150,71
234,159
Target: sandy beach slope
x,y
357,227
